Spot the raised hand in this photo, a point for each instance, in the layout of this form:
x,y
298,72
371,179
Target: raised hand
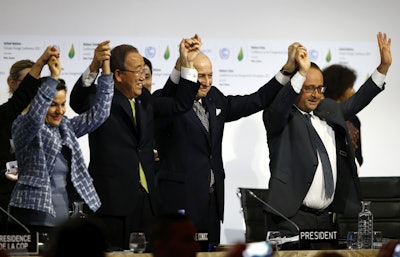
x,y
55,67
50,51
385,53
291,64
193,45
189,49
101,54
302,60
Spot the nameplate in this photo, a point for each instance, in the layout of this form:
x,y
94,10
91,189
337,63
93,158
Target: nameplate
x,y
20,243
317,239
201,237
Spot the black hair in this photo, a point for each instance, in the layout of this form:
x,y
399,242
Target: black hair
x,y
337,79
148,63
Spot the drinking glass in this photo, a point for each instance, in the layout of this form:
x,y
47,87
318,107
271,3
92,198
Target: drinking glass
x,y
352,240
137,242
377,244
275,239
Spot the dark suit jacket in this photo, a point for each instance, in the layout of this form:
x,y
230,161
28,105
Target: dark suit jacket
x,y
8,112
187,153
293,160
357,124
116,147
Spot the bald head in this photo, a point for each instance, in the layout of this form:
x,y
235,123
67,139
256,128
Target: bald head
x,y
204,68
202,62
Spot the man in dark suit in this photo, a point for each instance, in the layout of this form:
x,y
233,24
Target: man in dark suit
x,y
297,187
191,173
121,150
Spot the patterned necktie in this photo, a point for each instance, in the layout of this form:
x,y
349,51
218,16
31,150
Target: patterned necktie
x,y
201,113
142,176
323,154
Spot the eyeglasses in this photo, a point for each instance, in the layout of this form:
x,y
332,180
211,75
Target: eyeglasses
x,y
136,72
311,89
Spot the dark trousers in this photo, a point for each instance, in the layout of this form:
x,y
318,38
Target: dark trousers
x,y
118,228
214,224
303,219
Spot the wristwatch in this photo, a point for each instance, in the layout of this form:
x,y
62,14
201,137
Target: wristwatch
x,y
286,73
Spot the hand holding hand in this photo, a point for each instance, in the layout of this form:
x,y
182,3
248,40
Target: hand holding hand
x,y
189,50
385,53
51,51
291,64
101,53
302,60
55,67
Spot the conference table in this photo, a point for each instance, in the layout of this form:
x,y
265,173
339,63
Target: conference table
x,y
291,253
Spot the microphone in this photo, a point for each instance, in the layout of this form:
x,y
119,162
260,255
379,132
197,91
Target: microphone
x,y
273,210
15,219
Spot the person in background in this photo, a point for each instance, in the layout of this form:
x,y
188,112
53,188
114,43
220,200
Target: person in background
x,y
22,87
309,178
339,82
191,172
52,171
173,235
388,249
122,161
148,74
78,237
147,83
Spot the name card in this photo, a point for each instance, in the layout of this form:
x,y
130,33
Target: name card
x,y
18,243
317,239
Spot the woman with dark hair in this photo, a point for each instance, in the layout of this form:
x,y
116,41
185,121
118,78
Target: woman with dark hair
x,y
339,82
52,170
23,82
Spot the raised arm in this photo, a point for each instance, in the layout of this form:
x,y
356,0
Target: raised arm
x,y
43,60
83,93
276,115
174,99
26,90
385,53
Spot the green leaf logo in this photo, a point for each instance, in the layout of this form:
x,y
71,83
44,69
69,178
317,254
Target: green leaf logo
x,y
167,53
71,52
240,55
328,57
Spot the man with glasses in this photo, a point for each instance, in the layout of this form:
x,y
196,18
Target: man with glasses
x,y
191,176
122,161
312,165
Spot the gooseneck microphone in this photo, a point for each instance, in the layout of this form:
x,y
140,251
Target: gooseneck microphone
x,y
274,210
15,219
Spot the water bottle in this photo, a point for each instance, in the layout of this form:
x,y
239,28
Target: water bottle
x,y
365,226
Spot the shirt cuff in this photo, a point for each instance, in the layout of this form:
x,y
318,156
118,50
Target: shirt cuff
x,y
175,76
297,82
88,77
282,79
189,74
378,78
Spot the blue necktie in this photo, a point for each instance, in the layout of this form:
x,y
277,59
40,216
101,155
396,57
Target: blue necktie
x,y
323,154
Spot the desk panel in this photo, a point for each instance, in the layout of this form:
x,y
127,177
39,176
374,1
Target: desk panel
x,y
302,253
